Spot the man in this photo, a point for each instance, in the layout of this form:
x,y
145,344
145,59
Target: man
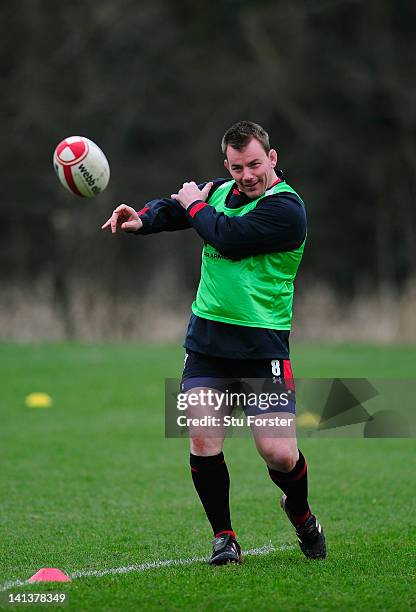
x,y
254,229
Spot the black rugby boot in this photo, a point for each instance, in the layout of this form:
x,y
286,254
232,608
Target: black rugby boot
x,y
226,549
310,535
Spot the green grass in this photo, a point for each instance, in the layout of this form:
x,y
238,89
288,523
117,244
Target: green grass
x,y
92,483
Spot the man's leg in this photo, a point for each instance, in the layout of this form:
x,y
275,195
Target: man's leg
x,y
212,482
210,477
288,470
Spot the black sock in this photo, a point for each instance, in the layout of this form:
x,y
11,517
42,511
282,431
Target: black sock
x,y
212,482
295,485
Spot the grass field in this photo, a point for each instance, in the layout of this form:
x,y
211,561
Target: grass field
x,y
92,484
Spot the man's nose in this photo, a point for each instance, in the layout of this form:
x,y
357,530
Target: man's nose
x,y
247,175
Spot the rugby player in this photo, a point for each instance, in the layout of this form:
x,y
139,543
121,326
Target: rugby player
x,y
254,229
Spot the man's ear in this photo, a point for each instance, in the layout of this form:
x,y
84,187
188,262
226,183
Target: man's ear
x,y
226,164
274,157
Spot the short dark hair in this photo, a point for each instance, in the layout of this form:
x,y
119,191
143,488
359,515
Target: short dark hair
x,y
239,135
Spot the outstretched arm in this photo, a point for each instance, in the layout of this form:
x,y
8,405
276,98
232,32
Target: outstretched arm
x,y
156,216
161,215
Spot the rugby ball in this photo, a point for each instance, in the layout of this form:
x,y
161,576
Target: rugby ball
x,y
81,166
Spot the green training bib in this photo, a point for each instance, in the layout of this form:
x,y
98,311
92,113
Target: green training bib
x,y
256,291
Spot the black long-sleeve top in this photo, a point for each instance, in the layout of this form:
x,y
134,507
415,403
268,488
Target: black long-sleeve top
x,y
276,224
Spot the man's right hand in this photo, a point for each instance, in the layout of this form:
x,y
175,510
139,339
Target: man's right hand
x,y
124,216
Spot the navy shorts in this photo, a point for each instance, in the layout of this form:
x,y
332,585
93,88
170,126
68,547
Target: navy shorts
x,y
265,378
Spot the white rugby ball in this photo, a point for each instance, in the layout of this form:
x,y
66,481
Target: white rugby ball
x,y
81,166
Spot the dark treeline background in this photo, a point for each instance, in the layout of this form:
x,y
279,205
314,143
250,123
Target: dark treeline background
x,y
155,84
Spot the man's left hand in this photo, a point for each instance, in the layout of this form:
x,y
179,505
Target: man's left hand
x,y
190,192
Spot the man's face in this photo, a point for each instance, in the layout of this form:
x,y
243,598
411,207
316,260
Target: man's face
x,y
251,168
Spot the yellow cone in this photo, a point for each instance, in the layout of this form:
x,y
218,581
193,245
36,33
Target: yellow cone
x,y
38,400
307,419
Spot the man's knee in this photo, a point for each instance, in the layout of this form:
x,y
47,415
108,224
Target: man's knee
x,y
278,458
206,447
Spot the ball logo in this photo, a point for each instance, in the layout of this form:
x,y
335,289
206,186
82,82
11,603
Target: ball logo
x,y
72,150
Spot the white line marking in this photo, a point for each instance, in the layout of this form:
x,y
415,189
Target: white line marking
x,y
13,583
142,567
